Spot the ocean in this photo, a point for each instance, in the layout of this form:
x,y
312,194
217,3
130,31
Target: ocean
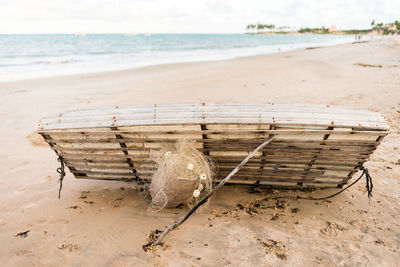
x,y
41,55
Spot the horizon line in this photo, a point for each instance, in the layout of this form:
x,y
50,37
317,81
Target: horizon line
x,y
141,33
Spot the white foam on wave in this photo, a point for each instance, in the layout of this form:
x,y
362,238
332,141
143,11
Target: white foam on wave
x,y
28,67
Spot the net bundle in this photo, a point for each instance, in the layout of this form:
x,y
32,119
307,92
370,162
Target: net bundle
x,y
183,175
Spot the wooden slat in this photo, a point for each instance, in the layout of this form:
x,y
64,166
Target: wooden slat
x,y
249,142
117,110
201,113
104,166
276,121
221,152
221,160
146,155
149,130
205,116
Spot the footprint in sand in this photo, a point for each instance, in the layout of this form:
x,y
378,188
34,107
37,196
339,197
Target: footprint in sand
x,y
24,252
19,91
41,221
332,229
59,221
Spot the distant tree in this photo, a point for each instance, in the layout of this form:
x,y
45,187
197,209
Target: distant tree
x,y
272,26
283,27
397,23
260,27
251,27
303,30
372,23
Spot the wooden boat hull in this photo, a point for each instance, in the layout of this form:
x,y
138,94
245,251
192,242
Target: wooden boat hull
x,y
317,146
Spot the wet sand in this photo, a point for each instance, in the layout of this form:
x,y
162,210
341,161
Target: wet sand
x,y
99,223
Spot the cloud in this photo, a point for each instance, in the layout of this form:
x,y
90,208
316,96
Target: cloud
x,y
58,16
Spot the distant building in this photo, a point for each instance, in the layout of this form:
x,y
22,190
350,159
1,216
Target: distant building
x,y
390,27
332,28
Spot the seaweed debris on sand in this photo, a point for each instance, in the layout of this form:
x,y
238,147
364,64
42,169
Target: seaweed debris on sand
x,y
153,236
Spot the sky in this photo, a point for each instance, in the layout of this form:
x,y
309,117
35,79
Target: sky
x,y
187,16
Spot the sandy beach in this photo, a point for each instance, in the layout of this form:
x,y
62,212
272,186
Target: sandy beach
x,y
99,223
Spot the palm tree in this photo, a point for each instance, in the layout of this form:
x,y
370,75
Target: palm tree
x,y
250,27
272,26
397,23
372,23
260,27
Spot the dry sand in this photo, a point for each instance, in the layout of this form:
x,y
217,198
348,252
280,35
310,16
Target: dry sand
x,y
98,223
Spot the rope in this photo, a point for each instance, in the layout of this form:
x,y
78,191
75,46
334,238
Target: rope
x,y
61,171
369,186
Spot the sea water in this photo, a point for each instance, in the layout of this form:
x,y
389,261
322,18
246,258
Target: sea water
x,y
41,55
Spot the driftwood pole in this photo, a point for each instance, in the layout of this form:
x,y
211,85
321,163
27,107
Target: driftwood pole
x,y
201,202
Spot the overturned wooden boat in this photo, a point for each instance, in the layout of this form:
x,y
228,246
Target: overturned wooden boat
x,y
313,145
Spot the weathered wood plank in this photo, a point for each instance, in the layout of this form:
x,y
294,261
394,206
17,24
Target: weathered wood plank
x,y
93,133
211,107
276,121
261,116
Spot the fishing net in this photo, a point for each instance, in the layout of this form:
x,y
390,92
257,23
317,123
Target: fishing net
x,y
183,175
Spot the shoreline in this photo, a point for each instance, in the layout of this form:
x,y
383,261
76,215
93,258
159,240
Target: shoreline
x,y
178,65
195,58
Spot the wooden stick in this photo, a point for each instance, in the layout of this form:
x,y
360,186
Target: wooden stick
x,y
201,202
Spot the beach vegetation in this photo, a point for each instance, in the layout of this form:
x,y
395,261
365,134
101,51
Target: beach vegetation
x,y
397,23
262,27
321,30
251,27
376,28
356,31
386,28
